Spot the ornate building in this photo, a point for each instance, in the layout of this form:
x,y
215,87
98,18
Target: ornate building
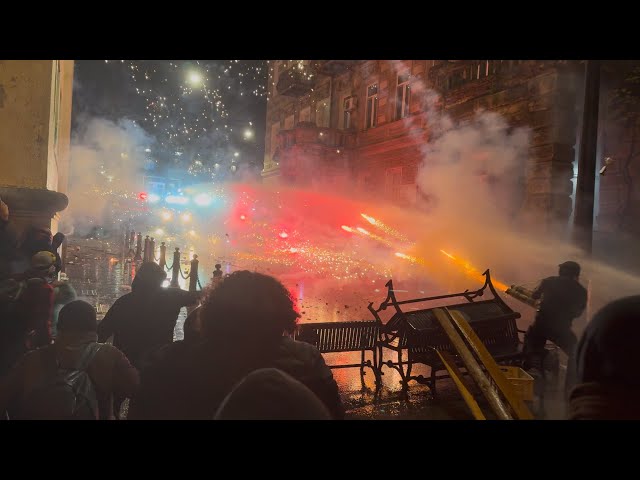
x,y
362,123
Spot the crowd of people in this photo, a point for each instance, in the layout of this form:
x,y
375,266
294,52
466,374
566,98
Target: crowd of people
x,y
238,359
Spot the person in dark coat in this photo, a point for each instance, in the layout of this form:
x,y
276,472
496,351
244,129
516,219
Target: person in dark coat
x,y
8,242
144,320
562,300
607,365
246,322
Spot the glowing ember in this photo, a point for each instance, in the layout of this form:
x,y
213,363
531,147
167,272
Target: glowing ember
x,y
283,235
385,228
369,219
347,229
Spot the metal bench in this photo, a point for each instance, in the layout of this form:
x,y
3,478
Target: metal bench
x,y
419,334
335,337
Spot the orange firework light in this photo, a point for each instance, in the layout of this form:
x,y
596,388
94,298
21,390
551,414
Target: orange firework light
x,y
473,272
417,260
366,233
385,228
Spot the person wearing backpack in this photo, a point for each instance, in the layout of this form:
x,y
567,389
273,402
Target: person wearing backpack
x,y
75,378
26,307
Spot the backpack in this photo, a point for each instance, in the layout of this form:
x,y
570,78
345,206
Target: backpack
x,y
67,393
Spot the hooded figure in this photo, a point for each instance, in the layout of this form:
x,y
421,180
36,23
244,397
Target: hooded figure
x,y
143,321
608,365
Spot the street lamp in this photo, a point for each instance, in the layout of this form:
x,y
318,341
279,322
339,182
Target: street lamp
x,y
195,78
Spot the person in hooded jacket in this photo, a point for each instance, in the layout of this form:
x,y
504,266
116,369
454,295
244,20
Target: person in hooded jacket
x,y
143,321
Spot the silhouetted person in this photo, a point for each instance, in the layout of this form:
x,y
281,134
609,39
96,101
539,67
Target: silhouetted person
x,y
245,323
217,275
8,242
34,239
56,243
271,394
562,300
34,307
144,320
608,365
108,368
64,293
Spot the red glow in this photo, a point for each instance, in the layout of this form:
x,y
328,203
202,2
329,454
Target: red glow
x,y
142,196
242,217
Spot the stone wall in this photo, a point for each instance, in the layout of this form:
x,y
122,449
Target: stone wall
x,y
35,123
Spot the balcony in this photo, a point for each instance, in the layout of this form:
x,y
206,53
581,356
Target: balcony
x,y
309,133
334,68
452,75
296,82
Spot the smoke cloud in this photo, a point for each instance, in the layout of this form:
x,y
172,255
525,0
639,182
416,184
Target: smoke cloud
x,y
107,161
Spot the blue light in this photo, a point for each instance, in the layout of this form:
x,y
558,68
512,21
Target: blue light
x,y
153,198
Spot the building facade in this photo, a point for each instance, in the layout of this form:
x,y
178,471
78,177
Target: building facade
x,y
363,124
35,124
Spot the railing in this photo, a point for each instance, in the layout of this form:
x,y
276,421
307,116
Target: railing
x,y
452,75
144,251
306,133
295,82
334,67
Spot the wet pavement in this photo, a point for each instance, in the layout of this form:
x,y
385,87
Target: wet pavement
x,y
100,273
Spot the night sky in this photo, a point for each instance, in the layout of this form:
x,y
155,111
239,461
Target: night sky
x,y
199,112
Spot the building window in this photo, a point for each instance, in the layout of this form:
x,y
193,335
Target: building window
x,y
402,96
347,109
372,106
305,115
322,112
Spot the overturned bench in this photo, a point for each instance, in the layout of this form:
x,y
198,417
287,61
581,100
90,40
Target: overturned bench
x,y
336,337
418,334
